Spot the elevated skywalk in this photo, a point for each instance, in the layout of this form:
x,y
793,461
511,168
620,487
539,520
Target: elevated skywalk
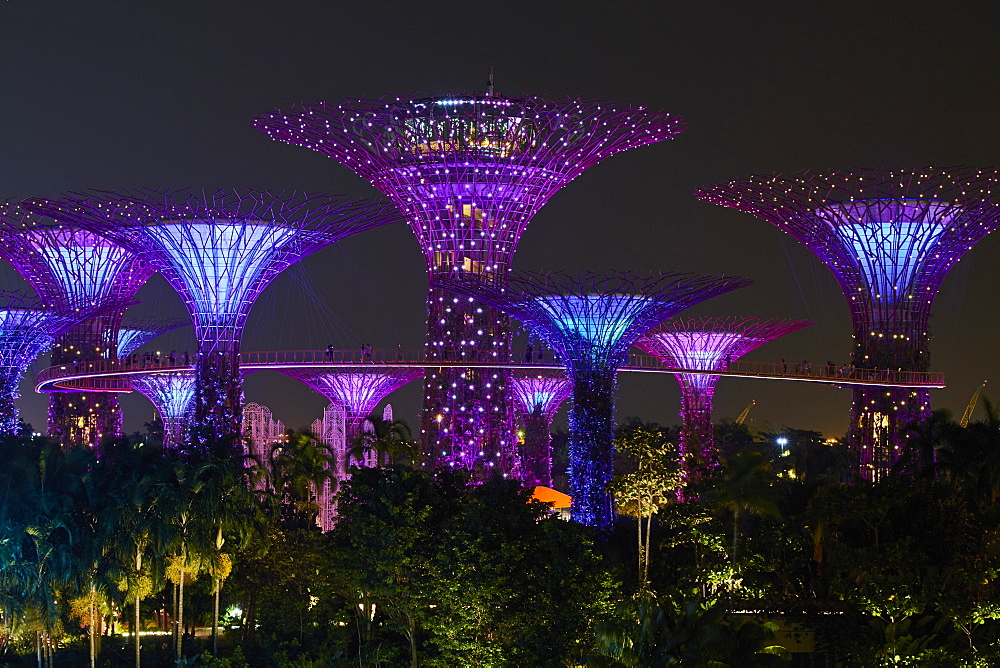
x,y
113,375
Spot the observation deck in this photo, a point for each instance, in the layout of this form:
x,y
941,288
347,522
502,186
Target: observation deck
x,y
114,375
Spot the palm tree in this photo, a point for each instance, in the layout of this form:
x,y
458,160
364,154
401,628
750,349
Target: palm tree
x,y
390,441
133,483
234,514
300,469
746,486
186,535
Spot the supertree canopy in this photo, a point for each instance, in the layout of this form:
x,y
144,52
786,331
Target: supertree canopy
x,y
358,391
591,320
137,332
706,344
469,171
72,264
218,250
172,394
538,395
28,326
889,236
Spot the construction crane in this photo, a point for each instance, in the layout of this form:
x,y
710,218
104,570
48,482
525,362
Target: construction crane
x,y
970,409
746,411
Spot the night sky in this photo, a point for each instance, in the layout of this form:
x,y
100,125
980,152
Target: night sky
x,y
161,94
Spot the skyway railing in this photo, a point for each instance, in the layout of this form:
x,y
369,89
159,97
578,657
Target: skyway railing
x,y
112,375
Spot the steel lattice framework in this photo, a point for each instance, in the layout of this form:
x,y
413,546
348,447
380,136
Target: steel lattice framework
x,y
538,396
358,392
890,237
28,326
708,344
72,264
218,249
469,171
172,394
591,320
137,332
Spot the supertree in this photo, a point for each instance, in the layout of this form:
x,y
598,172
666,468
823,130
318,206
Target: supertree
x,y
591,320
538,395
218,249
72,264
137,332
359,391
706,344
28,326
889,237
469,171
172,394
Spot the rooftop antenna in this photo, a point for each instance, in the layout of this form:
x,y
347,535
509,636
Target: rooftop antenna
x,y
489,84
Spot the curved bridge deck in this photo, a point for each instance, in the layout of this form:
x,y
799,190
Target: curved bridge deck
x,y
113,375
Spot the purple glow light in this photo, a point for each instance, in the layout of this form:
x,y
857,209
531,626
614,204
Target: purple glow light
x,y
73,264
172,394
539,396
358,392
591,320
468,172
889,237
218,250
707,344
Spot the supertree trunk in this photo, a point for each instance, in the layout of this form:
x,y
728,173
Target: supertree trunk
x,y
697,442
536,455
78,418
467,419
218,390
592,427
9,419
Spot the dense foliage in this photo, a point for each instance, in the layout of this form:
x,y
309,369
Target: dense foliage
x,y
777,556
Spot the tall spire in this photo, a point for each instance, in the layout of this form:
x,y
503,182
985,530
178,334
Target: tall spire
x,y
469,172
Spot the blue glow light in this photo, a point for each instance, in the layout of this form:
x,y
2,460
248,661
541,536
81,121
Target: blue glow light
x,y
81,264
172,394
891,240
223,264
599,320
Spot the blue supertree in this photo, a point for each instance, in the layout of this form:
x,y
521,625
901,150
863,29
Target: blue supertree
x,y
218,249
28,326
137,332
591,320
172,394
889,236
72,264
469,171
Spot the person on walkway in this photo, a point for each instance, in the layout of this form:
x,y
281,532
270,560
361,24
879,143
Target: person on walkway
x,y
527,353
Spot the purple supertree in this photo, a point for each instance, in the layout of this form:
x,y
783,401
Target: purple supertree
x,y
591,320
469,171
137,332
218,250
172,394
359,391
538,395
889,236
72,264
28,326
706,344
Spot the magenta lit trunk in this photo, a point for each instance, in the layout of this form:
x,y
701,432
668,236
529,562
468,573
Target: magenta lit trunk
x,y
468,419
